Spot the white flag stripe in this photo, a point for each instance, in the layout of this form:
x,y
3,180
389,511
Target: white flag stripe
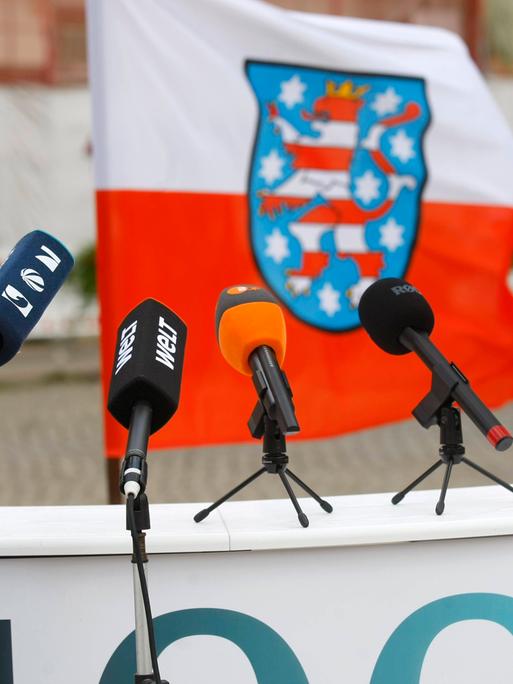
x,y
173,109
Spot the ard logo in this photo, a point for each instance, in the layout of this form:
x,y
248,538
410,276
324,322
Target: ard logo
x,y
335,184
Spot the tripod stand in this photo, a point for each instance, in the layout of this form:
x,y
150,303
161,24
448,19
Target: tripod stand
x,y
274,461
451,452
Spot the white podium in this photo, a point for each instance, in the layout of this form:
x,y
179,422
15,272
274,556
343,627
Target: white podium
x,y
371,594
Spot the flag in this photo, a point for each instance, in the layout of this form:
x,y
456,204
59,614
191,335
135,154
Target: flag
x,y
236,142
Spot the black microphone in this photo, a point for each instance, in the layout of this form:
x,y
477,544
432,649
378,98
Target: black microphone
x,y
145,383
29,279
399,320
252,336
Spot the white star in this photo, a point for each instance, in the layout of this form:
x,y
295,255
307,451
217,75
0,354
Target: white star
x,y
386,103
402,146
277,246
329,299
291,92
271,167
356,291
367,187
391,235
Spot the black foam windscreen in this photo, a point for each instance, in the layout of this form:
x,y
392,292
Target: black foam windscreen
x,y
29,279
148,363
389,306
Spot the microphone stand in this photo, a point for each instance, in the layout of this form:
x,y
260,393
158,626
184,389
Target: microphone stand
x,y
137,521
437,409
142,648
274,459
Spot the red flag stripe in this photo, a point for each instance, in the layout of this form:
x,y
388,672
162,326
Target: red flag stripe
x,y
136,228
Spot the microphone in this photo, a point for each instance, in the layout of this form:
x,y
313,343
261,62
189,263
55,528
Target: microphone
x,y
30,278
252,338
399,320
145,383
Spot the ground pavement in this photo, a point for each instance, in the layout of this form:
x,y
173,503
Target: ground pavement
x,y
51,447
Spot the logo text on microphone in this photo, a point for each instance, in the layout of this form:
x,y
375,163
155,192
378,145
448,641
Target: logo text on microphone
x,y
33,279
126,346
20,302
403,289
166,344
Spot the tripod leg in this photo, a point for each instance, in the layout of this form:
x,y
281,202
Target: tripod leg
x,y
322,503
206,511
439,508
487,473
301,516
400,495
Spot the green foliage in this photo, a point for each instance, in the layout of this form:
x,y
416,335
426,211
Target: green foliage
x,y
83,275
499,16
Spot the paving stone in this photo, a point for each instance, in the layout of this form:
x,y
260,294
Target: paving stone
x,y
51,448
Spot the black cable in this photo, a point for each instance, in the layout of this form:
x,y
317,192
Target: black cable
x,y
144,587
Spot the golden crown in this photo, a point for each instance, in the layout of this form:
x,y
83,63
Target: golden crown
x,y
345,90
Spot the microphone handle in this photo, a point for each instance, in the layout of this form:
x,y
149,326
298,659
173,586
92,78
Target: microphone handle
x,y
273,389
134,471
479,414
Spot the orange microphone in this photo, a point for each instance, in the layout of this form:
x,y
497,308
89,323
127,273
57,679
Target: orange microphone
x,y
252,338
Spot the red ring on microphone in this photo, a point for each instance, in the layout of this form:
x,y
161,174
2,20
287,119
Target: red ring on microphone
x,y
496,435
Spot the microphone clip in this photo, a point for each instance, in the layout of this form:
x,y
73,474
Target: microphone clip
x,y
443,382
142,517
274,394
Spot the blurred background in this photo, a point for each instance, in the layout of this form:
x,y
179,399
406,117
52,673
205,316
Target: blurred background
x,y
50,397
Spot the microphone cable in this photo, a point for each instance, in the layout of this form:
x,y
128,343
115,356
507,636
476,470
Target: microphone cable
x,y
130,504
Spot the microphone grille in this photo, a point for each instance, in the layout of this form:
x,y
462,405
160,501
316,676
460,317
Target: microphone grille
x,y
237,295
247,316
389,306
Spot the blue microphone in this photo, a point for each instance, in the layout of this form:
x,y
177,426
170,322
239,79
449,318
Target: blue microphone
x,y
29,279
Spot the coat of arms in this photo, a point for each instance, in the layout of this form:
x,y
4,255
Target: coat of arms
x,y
335,185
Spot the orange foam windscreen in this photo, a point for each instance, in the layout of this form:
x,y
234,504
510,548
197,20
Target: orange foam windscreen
x,y
248,317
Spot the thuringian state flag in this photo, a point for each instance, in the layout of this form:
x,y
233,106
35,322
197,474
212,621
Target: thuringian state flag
x,y
235,142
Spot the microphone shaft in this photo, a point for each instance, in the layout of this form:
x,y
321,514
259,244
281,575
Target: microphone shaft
x,y
273,391
461,391
139,431
134,472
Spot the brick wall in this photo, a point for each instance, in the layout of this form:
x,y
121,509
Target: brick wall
x,y
44,40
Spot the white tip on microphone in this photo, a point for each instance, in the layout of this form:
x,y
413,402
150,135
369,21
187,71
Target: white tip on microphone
x,y
132,487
